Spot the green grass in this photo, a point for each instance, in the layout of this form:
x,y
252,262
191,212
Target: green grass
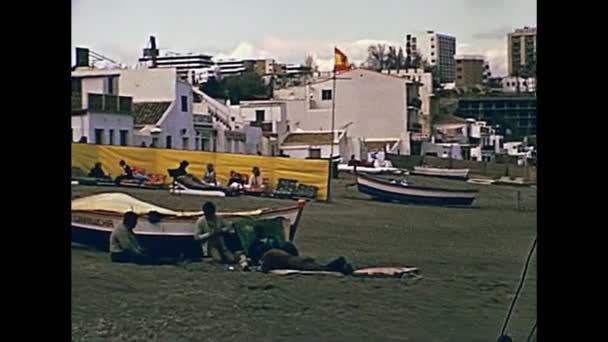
x,y
471,259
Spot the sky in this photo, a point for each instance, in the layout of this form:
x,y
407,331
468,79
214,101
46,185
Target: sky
x,y
289,30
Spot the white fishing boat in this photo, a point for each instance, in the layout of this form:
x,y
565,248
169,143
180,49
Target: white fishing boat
x,y
441,172
161,229
387,190
372,170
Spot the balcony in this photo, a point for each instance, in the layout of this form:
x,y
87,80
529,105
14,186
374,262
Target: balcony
x,y
265,126
202,120
105,103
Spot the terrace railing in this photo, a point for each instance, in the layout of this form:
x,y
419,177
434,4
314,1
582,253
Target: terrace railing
x,y
105,103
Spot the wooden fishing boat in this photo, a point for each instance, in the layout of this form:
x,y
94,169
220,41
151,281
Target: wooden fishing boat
x,y
387,190
372,170
162,230
441,172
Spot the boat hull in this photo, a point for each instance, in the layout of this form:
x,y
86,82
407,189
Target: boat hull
x,y
172,235
371,170
384,191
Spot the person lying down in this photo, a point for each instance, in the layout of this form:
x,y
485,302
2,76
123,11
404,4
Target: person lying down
x,y
277,259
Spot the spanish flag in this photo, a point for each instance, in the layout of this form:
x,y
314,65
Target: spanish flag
x,y
341,61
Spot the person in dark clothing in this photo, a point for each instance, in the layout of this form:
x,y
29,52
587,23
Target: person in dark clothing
x,y
276,259
181,170
235,181
128,174
97,172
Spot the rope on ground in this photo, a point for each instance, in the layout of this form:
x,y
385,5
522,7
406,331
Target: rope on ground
x,y
532,332
521,283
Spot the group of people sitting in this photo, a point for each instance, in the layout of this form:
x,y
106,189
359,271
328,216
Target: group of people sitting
x,y
214,235
97,172
209,179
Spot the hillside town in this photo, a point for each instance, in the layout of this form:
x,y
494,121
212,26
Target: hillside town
x,y
419,99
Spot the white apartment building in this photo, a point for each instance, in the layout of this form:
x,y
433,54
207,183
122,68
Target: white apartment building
x,y
521,48
439,50
230,67
368,105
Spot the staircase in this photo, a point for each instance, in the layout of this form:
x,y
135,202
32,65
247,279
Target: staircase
x,y
218,110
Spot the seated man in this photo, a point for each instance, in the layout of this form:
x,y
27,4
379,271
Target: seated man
x,y
210,228
235,181
276,259
129,174
97,172
124,246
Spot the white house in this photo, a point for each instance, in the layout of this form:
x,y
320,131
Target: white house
x,y
315,144
162,107
98,114
509,84
426,93
367,103
463,139
271,117
229,132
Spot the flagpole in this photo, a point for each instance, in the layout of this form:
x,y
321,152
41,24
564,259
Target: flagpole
x,y
333,115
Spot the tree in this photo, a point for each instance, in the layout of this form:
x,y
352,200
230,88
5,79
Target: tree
x,y
248,86
309,62
376,57
400,60
416,60
391,58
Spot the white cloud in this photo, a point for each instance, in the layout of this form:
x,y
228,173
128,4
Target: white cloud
x,y
295,51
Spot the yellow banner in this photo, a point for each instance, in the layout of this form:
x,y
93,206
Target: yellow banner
x,y
155,160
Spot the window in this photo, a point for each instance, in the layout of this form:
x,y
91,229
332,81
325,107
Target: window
x,y
124,134
314,153
432,61
185,143
168,141
111,137
259,115
432,54
184,103
197,143
326,94
76,86
154,142
459,77
99,136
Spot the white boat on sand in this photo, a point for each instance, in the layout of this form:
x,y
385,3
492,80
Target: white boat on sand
x,y
441,172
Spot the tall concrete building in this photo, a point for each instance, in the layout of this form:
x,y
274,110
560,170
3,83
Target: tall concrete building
x,y
469,70
522,48
439,50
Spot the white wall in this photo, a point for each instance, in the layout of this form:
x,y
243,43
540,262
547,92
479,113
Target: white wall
x,y
148,84
175,120
375,103
94,85
86,125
